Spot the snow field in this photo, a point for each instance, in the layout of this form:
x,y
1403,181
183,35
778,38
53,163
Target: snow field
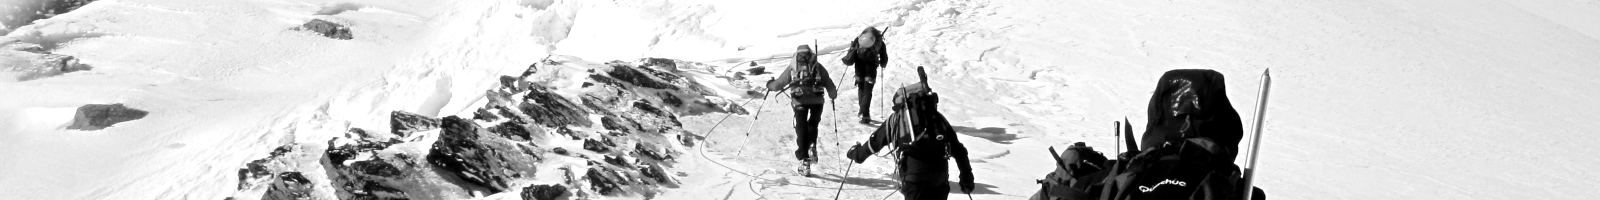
x,y
1471,99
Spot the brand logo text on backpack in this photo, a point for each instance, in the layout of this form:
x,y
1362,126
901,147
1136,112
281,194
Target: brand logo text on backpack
x,y
1165,182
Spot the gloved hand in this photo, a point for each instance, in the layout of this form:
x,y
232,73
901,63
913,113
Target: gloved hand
x,y
858,153
966,183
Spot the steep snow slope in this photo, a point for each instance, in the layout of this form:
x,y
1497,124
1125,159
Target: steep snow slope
x,y
227,80
1375,100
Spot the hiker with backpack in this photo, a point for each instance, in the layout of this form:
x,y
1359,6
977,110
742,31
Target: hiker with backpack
x,y
921,140
1187,150
805,80
867,53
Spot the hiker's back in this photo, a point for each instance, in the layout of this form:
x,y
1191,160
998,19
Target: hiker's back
x,y
868,50
808,80
1190,103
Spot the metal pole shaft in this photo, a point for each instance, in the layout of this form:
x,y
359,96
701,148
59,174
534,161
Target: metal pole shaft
x,y
1255,141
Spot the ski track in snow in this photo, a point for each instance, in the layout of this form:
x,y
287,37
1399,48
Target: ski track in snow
x,y
1472,99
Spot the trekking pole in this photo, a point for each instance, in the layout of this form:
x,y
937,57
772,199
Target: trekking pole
x,y
842,180
1116,127
1255,141
758,112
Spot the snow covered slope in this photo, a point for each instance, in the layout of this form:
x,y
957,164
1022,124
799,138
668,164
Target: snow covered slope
x,y
1474,99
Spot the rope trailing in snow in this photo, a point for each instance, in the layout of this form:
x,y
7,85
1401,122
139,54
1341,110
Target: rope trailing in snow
x,y
701,150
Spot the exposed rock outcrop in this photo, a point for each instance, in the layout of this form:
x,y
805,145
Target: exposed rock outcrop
x,y
356,171
464,150
99,116
27,61
543,192
550,109
290,186
326,29
404,123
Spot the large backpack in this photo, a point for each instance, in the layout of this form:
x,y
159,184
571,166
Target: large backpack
x,y
913,105
807,74
1187,151
1191,103
865,47
1080,171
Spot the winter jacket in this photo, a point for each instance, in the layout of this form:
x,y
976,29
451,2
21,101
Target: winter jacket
x,y
785,81
921,160
867,60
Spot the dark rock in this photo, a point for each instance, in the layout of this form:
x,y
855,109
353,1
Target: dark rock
x,y
369,190
362,179
616,160
513,131
509,82
375,167
642,77
660,63
651,151
596,146
757,70
404,123
463,151
657,173
611,122
543,192
326,29
260,171
550,109
603,180
605,80
255,170
670,100
483,114
99,116
290,186
559,151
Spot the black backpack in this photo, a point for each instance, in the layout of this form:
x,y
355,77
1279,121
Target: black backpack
x,y
915,104
1080,171
1191,103
807,74
1187,151
865,48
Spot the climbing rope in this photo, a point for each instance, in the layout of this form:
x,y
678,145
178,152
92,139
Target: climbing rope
x,y
709,132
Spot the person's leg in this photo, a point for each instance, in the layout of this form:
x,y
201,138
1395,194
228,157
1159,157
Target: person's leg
x,y
925,190
866,78
865,94
814,119
800,124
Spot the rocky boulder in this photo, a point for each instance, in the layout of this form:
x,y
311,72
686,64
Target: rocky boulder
x,y
326,29
543,192
552,110
289,186
604,181
464,150
404,123
99,116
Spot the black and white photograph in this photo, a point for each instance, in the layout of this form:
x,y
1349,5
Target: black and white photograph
x,y
798,100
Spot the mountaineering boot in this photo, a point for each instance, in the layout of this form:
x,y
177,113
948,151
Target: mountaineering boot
x,y
805,168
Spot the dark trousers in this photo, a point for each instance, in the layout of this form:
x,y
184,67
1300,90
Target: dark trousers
x,y
806,118
925,190
866,77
